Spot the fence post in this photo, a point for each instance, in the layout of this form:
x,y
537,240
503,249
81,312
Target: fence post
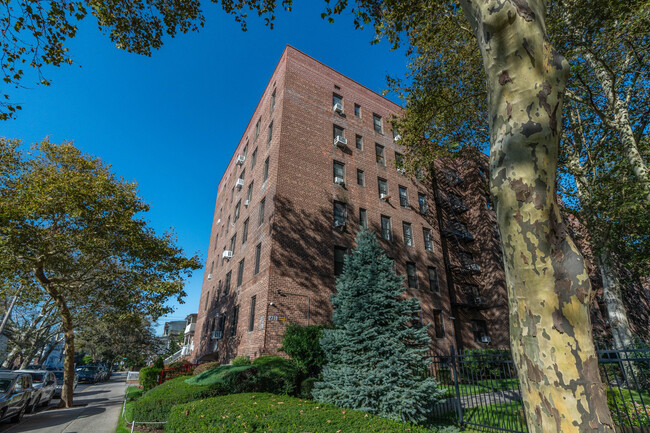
x,y
459,406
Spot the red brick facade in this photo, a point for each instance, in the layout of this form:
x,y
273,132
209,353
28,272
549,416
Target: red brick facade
x,y
297,237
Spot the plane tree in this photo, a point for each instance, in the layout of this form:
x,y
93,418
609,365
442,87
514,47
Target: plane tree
x,y
79,231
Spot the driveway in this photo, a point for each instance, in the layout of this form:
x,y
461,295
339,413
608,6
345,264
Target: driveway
x,y
103,405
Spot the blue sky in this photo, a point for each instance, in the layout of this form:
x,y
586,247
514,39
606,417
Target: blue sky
x,y
171,122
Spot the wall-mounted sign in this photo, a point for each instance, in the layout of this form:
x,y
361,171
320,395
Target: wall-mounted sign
x,y
282,318
273,318
262,322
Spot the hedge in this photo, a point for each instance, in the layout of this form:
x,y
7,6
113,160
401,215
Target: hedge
x,y
155,405
273,413
148,377
205,367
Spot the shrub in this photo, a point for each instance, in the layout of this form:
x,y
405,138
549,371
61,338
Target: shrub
x,y
275,374
231,378
178,364
149,377
257,413
205,367
159,363
306,387
155,405
241,360
302,344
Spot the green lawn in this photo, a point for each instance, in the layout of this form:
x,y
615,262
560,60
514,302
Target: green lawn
x,y
132,393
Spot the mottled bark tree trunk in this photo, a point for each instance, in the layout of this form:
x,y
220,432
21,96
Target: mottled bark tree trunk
x,y
548,285
612,292
11,358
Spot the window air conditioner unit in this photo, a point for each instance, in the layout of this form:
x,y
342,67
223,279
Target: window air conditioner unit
x,y
227,254
383,196
340,141
397,137
485,339
216,335
247,202
240,159
338,224
338,108
339,180
209,276
219,221
401,170
239,183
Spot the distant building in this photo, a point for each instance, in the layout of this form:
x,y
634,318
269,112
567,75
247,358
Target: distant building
x,y
171,331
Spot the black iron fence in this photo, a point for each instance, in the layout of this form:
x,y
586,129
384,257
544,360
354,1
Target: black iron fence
x,y
482,389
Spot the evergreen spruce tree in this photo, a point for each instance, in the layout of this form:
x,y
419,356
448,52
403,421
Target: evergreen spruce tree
x,y
377,352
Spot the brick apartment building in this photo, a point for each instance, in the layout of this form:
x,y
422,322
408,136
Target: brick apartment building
x,y
317,161
293,197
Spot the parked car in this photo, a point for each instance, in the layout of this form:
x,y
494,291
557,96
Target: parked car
x,y
44,383
16,395
59,383
88,374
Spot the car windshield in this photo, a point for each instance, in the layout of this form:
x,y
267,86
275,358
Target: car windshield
x,y
4,385
59,375
37,377
88,369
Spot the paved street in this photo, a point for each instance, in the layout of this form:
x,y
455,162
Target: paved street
x,y
104,403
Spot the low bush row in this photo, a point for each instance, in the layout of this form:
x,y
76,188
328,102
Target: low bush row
x,y
274,413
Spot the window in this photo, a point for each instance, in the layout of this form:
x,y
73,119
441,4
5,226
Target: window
x,y
254,158
428,239
422,201
222,323
261,216
336,99
383,187
216,239
270,136
403,196
251,314
408,234
249,194
411,275
339,172
233,242
438,324
226,284
237,209
379,152
339,259
338,132
257,128
357,110
479,327
245,151
272,101
232,194
258,255
244,235
240,273
386,232
266,169
361,179
359,142
363,218
376,121
339,214
395,136
399,160
242,174
433,280
235,319
228,224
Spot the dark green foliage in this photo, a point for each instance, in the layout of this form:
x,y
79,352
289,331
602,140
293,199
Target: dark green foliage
x,y
223,375
159,363
276,374
486,364
241,360
307,387
205,367
258,413
377,353
302,344
156,404
148,377
178,364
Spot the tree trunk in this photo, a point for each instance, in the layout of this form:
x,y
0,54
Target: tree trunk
x,y
612,294
548,285
11,357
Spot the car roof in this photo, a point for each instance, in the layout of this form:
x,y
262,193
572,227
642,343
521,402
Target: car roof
x,y
10,374
31,371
